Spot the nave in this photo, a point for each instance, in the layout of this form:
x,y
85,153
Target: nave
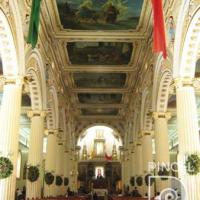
x,y
88,110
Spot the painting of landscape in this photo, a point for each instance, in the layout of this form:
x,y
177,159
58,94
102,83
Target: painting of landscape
x,y
99,80
99,53
99,14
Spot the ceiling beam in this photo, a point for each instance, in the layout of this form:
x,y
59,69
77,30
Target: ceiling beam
x,y
102,69
95,36
100,90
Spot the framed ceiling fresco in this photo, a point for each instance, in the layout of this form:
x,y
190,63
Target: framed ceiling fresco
x,y
99,111
99,80
88,98
99,14
99,53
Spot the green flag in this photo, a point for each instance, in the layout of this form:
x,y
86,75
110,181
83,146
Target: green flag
x,y
34,23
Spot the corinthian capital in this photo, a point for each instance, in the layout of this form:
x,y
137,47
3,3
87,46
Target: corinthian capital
x,y
161,115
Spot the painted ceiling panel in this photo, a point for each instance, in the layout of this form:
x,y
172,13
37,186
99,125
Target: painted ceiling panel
x,y
99,98
99,14
99,80
99,111
99,53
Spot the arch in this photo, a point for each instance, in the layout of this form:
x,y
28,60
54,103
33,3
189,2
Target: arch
x,y
160,67
52,117
99,124
34,59
35,91
190,47
143,104
148,122
145,110
163,91
180,28
8,51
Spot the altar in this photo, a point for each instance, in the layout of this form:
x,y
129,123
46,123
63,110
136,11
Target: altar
x,y
101,176
101,192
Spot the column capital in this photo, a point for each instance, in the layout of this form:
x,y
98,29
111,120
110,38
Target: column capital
x,y
36,113
15,80
51,131
162,115
147,132
186,82
60,142
138,142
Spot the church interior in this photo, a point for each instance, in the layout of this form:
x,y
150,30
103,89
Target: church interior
x,y
132,133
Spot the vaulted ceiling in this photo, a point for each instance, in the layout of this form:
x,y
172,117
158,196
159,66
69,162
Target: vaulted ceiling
x,y
100,47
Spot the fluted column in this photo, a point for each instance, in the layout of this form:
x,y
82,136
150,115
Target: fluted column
x,y
73,171
129,167
126,168
50,164
133,160
59,165
66,167
147,157
9,132
70,169
139,159
130,162
187,121
161,145
139,166
123,173
35,154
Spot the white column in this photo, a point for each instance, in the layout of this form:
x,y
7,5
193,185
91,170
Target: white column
x,y
133,160
139,169
9,133
59,165
70,169
123,173
66,167
139,166
133,166
127,168
35,154
161,145
147,155
50,164
187,121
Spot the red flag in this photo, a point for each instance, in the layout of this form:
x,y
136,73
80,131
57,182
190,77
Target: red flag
x,y
159,39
